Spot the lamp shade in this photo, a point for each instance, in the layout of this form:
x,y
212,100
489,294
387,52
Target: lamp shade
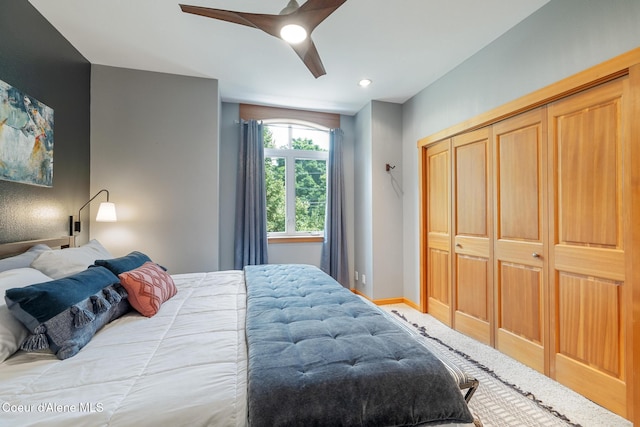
x,y
106,212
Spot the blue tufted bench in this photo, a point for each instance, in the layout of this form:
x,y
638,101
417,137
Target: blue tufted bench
x,y
321,356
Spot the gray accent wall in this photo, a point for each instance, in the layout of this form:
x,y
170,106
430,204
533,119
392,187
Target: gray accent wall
x,y
39,61
154,146
562,38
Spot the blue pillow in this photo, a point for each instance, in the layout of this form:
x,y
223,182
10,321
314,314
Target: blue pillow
x,y
63,315
123,264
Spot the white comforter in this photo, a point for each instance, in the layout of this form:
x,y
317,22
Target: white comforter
x,y
186,366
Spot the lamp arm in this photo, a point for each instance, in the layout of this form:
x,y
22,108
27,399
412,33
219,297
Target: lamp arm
x,y
91,200
76,226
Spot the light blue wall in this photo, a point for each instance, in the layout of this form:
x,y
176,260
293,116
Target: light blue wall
x,y
378,200
387,192
347,124
559,40
363,198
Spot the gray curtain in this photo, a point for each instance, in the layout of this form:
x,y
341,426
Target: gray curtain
x,y
334,259
250,238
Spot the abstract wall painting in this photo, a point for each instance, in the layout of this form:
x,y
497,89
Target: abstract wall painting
x,y
26,138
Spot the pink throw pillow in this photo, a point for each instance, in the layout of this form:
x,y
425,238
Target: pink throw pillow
x,y
148,287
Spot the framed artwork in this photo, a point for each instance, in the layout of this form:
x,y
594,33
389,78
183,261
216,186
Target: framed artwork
x,y
26,138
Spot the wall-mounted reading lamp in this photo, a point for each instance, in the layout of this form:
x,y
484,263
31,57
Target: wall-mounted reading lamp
x,y
106,213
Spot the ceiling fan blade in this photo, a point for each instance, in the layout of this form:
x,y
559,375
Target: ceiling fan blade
x,y
313,12
310,14
309,54
270,24
224,15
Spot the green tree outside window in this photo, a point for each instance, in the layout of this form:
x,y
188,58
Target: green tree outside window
x,y
310,184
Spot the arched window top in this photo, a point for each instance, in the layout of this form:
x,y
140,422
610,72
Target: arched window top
x,y
294,134
296,123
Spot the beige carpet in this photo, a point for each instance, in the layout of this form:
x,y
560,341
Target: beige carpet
x,y
510,394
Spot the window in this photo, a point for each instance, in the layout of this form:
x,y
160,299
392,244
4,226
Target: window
x,y
296,178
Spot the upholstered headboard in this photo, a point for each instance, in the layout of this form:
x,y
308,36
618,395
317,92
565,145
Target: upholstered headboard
x,y
10,249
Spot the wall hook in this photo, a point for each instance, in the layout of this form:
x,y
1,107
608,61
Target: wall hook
x,y
388,167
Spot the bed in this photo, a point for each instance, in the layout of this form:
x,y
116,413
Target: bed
x,y
189,364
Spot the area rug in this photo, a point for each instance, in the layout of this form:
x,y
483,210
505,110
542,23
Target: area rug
x,y
497,402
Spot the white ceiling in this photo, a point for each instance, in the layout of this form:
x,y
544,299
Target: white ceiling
x,y
402,45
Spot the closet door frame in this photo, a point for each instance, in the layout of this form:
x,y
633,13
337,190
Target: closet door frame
x,y
631,163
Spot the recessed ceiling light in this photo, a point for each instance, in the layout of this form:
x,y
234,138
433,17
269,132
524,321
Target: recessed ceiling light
x,y
293,33
364,82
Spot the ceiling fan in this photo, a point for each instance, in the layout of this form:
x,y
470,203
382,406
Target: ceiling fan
x,y
294,24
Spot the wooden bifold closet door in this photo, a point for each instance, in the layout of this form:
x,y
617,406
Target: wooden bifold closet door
x,y
473,272
521,229
587,251
438,228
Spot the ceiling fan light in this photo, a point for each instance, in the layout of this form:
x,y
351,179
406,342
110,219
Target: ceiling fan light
x,y
293,33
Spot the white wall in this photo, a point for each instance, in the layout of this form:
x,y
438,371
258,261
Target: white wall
x,y
559,40
154,146
295,253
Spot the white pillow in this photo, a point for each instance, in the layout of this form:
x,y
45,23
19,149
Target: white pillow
x,y
64,262
12,332
24,259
